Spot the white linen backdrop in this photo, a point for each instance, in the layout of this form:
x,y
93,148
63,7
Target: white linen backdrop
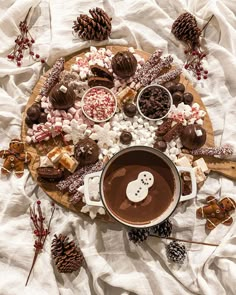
x,y
113,264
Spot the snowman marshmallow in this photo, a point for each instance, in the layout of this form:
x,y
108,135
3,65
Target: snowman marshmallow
x,y
137,190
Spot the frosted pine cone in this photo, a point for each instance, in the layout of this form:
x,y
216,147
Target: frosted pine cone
x,y
176,252
185,29
97,27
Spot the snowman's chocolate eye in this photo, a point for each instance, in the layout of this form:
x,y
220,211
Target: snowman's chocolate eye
x,y
150,179
144,175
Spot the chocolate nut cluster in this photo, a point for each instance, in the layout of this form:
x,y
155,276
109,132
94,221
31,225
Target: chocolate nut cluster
x,y
154,102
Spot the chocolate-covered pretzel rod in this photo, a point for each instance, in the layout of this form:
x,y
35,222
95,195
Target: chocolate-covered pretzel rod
x,y
151,62
171,75
223,151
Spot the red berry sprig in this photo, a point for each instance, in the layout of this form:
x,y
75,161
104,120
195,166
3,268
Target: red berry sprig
x,y
41,232
194,63
23,42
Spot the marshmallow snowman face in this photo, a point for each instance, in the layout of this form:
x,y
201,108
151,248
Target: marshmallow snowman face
x,y
137,190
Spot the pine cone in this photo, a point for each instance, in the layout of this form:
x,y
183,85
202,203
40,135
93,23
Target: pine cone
x,y
67,256
176,252
162,230
138,235
185,29
96,28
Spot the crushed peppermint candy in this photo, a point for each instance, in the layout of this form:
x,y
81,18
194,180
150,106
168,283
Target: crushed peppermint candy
x,y
99,104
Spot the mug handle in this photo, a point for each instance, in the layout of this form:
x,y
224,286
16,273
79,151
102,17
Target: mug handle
x,y
193,183
88,201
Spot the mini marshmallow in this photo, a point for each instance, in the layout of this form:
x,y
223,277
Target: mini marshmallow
x,y
30,132
199,121
72,110
135,125
75,68
58,119
184,162
63,89
201,164
198,132
28,139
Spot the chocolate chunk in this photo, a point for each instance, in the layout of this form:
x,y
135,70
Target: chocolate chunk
x,y
130,109
180,87
125,137
49,173
154,102
177,97
188,98
173,132
101,72
164,127
160,145
33,112
99,81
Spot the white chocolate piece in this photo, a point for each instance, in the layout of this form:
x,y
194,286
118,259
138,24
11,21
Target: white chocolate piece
x,y
54,155
201,164
68,162
137,190
45,162
200,176
184,162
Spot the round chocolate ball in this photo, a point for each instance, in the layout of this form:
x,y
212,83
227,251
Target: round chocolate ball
x,y
42,118
130,109
180,87
193,136
160,145
170,86
124,64
125,137
188,98
29,122
177,97
61,97
33,112
86,151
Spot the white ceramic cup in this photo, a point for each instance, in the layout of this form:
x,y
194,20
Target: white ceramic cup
x,y
177,196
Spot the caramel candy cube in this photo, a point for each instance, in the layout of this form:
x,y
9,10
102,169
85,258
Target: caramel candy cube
x,y
68,162
55,154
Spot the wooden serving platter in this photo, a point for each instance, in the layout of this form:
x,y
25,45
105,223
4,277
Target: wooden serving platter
x,y
39,149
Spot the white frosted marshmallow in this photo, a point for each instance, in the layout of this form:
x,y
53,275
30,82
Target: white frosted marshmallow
x,y
184,162
201,164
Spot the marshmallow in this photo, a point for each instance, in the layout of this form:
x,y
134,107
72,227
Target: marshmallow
x,y
200,176
201,164
184,162
45,162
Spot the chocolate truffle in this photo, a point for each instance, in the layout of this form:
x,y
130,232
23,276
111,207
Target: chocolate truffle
x,y
188,98
61,98
86,151
42,118
170,86
29,122
193,136
34,112
125,137
180,87
124,64
160,145
177,97
130,109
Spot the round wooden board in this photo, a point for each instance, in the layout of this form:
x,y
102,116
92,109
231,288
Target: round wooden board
x,y
59,197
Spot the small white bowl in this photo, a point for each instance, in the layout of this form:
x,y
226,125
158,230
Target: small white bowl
x,y
83,102
156,86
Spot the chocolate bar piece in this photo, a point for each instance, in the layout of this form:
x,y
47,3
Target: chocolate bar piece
x,y
49,173
101,72
99,81
163,128
174,132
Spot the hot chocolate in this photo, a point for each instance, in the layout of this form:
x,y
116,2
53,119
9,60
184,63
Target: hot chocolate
x,y
126,169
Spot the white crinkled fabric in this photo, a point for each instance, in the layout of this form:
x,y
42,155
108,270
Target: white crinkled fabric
x,y
113,264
